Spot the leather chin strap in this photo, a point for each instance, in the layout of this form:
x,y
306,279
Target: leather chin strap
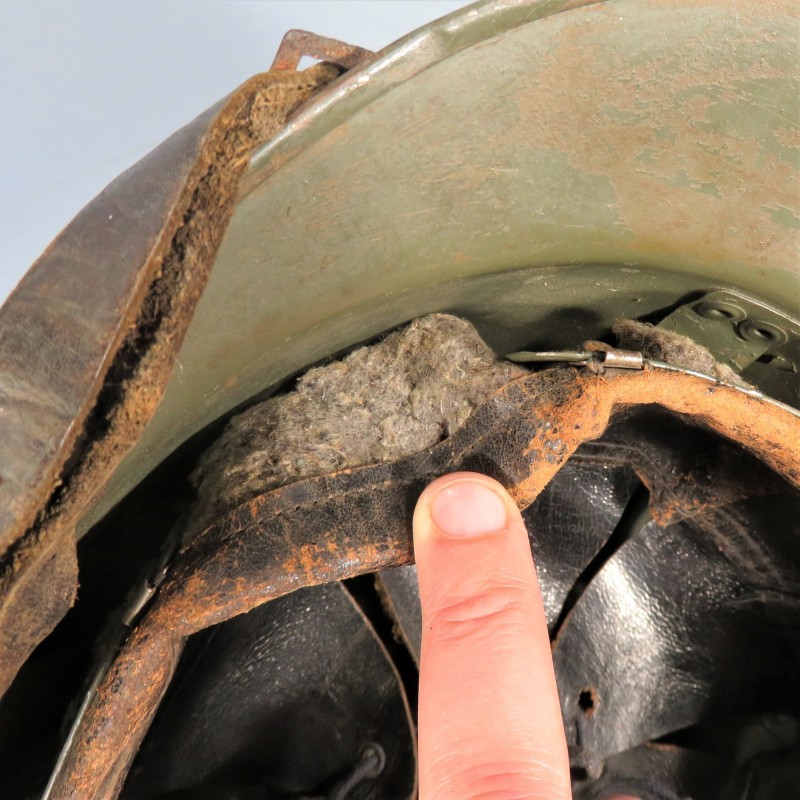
x,y
359,520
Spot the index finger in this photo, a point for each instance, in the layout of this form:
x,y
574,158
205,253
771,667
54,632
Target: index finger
x,y
489,717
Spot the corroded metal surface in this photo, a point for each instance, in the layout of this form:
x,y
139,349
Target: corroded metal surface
x,y
89,338
358,520
541,168
296,44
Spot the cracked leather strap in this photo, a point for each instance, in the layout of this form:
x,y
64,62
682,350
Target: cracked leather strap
x,y
89,337
359,520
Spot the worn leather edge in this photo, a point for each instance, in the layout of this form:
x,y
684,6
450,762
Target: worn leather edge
x,y
359,520
125,366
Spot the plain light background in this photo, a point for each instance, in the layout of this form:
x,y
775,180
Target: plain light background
x,y
87,87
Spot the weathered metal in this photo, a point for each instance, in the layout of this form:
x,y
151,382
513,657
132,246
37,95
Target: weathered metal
x,y
541,168
89,338
296,44
337,526
739,330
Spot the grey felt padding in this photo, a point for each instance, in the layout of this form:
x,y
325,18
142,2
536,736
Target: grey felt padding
x,y
380,403
673,348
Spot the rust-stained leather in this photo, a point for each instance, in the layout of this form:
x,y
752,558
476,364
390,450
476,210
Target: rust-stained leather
x,y
277,701
358,520
88,340
571,520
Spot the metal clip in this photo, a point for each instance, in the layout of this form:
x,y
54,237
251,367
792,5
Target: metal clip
x,y
297,43
578,357
143,597
614,357
596,355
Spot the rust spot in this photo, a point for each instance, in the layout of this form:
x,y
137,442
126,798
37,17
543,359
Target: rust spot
x,y
663,145
588,701
296,44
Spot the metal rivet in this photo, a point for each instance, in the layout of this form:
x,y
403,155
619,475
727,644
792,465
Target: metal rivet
x,y
717,309
757,330
779,362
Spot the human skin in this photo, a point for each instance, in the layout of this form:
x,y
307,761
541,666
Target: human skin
x,y
490,723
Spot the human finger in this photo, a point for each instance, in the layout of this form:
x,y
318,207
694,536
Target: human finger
x,y
489,718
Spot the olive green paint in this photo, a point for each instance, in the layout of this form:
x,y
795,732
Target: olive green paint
x,y
477,166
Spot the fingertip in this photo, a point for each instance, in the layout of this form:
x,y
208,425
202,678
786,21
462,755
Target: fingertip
x,y
463,505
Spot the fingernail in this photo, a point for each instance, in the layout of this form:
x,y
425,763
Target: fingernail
x,y
468,508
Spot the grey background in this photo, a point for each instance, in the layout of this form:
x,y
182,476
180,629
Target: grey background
x,y
88,87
